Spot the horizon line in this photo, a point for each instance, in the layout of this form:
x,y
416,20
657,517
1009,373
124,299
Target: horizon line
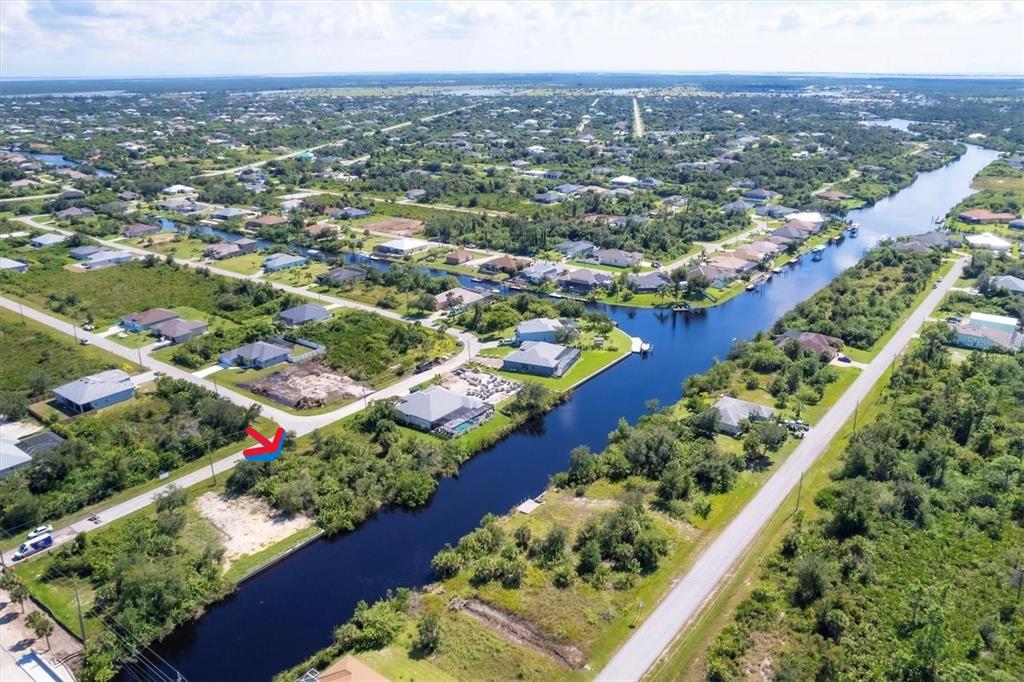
x,y
825,74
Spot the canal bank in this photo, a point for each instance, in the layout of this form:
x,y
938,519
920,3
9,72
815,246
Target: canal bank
x,y
302,598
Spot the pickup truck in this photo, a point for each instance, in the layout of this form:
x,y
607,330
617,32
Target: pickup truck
x,y
32,546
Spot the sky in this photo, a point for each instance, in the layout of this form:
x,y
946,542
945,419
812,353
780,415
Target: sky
x,y
87,38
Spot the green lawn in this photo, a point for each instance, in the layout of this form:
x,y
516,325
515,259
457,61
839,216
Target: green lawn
x,y
245,264
590,363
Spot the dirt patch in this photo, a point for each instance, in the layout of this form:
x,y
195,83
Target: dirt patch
x,y
524,633
307,385
247,524
399,227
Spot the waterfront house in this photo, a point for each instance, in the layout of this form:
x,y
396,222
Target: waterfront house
x,y
259,355
179,330
95,391
229,213
812,342
544,329
583,279
457,296
718,277
340,276
401,247
221,250
540,272
458,257
139,230
265,221
137,322
647,282
988,241
506,264
282,261
49,239
541,358
983,216
185,206
732,263
301,314
9,264
246,245
439,409
734,413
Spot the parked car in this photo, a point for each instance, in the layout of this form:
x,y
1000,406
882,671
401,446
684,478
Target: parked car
x,y
953,319
41,530
843,358
83,342
32,546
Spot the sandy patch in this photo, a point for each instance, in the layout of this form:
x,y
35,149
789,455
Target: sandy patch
x,y
399,227
247,524
307,385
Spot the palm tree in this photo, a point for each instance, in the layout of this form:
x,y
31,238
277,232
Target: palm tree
x,y
40,625
19,593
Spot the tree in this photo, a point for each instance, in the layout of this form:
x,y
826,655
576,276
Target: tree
x,y
812,579
429,632
19,593
762,437
40,625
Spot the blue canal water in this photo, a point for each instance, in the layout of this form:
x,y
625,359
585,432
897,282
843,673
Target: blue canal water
x,y
286,613
61,161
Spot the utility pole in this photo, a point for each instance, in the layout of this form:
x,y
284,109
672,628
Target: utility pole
x,y
21,309
856,408
209,456
78,603
799,491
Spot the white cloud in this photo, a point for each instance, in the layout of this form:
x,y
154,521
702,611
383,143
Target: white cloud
x,y
160,37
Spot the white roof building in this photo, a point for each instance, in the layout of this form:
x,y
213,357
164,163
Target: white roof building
x,y
1001,322
812,217
989,241
624,180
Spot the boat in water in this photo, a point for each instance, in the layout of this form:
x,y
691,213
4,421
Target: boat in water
x,y
777,271
853,229
817,251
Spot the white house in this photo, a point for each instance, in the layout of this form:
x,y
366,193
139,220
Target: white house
x,y
401,247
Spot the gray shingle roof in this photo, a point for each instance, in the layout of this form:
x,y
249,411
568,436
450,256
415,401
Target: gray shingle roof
x,y
91,388
307,312
435,403
538,354
732,411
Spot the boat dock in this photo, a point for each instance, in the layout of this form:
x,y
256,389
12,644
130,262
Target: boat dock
x,y
638,345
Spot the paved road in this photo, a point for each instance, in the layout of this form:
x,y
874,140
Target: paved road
x,y
685,600
638,121
300,424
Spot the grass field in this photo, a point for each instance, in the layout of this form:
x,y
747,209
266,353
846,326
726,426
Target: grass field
x,y
29,347
245,264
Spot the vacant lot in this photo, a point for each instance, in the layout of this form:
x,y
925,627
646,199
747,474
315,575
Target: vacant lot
x,y
399,227
34,356
105,295
307,385
247,525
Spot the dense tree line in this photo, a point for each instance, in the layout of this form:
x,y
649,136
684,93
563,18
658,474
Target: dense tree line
x,y
912,568
861,304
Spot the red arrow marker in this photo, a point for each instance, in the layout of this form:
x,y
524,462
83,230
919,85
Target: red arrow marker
x,y
267,446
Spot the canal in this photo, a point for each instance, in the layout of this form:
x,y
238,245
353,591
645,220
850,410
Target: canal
x,y
281,616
